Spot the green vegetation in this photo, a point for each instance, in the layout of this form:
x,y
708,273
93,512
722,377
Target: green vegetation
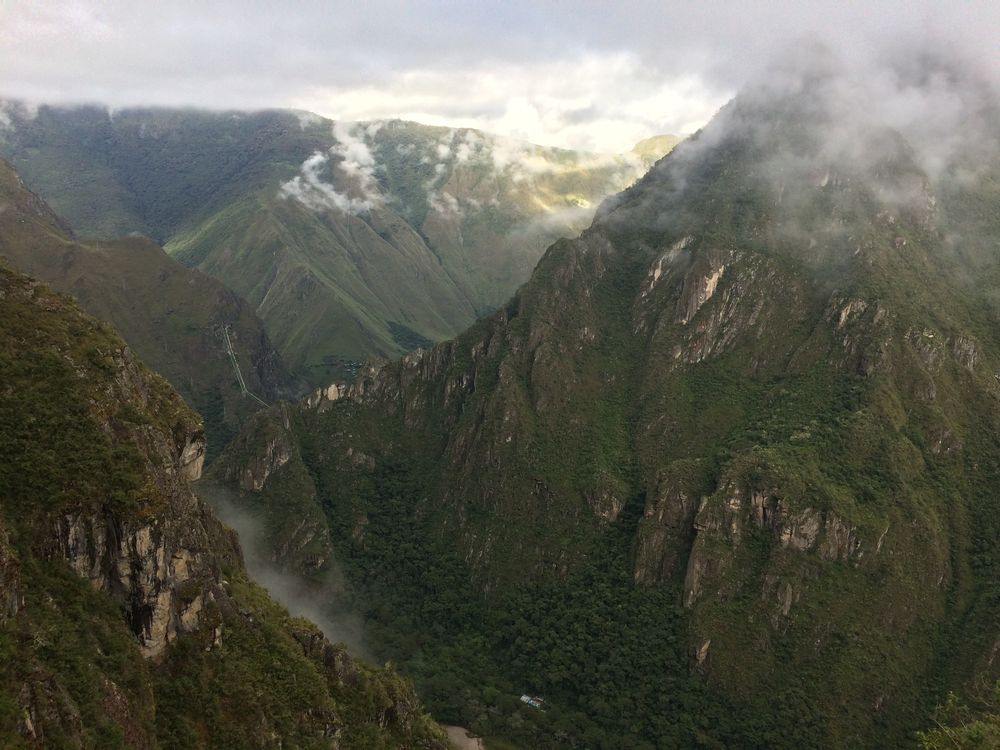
x,y
91,444
722,473
458,220
608,657
173,318
265,675
958,727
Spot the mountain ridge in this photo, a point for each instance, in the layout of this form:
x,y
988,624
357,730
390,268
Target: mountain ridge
x,y
751,410
172,317
128,619
385,235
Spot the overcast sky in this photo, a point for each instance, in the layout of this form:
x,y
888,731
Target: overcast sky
x,y
578,74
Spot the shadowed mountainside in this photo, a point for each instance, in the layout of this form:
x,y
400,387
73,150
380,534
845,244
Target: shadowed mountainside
x,y
172,317
724,470
127,619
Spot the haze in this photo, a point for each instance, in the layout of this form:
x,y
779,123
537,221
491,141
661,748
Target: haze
x,y
585,75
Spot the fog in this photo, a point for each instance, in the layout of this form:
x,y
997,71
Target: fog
x,y
904,121
323,599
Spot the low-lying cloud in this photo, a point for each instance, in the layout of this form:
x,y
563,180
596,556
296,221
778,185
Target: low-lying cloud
x,y
908,125
351,157
346,177
315,600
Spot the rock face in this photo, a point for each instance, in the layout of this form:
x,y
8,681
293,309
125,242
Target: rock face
x,y
117,584
145,551
192,458
322,397
665,529
291,531
272,446
148,567
698,289
146,562
725,519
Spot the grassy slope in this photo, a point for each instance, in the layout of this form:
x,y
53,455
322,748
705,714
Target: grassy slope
x,y
329,286
171,316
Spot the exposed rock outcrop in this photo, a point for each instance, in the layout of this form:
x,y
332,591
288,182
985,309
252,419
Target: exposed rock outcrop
x,y
192,457
699,286
150,567
263,449
322,397
115,620
665,530
725,519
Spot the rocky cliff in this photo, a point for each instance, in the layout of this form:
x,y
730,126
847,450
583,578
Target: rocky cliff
x,y
126,616
750,415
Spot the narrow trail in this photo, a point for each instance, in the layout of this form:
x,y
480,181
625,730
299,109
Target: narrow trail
x,y
236,367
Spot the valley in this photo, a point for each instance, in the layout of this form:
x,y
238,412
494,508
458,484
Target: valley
x,y
339,412
128,618
348,240
175,319
716,424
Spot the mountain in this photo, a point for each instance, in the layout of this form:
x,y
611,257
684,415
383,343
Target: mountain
x,y
723,472
351,240
126,616
172,317
651,150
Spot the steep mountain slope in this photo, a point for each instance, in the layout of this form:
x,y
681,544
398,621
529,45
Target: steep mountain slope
x,y
351,240
174,318
722,473
126,616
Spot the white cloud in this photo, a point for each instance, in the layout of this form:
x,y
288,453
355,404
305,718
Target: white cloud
x,y
356,159
307,119
520,162
597,102
582,75
444,203
21,110
311,190
468,147
353,159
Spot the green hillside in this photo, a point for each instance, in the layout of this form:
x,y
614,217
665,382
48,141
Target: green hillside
x,y
351,240
722,473
174,318
127,619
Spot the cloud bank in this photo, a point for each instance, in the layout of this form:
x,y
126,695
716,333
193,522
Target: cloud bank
x,y
585,75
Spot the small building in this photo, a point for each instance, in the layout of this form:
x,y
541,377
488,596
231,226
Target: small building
x,y
534,701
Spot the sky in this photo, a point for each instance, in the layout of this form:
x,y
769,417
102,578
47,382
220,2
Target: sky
x,y
587,75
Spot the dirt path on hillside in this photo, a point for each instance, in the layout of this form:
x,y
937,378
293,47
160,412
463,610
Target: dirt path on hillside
x,y
459,737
